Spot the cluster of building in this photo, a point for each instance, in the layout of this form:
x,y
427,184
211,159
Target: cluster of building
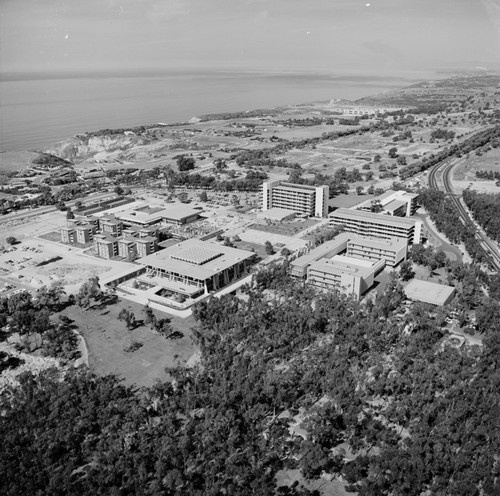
x,y
350,262
131,234
392,217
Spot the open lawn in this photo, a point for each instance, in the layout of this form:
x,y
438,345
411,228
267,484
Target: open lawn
x,y
107,337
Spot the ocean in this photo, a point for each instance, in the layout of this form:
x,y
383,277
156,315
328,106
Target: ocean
x,y
37,110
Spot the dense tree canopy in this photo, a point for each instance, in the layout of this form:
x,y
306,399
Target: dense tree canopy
x,y
375,379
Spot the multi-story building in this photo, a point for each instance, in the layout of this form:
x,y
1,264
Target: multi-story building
x,y
145,246
111,226
127,248
392,250
106,246
377,225
85,233
350,275
395,203
68,235
307,200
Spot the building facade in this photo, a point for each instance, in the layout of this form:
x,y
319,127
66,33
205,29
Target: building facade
x,y
377,225
308,200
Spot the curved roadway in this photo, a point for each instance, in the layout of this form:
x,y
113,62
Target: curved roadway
x,y
488,247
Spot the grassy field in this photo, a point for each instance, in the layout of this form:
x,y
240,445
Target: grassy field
x,y
107,337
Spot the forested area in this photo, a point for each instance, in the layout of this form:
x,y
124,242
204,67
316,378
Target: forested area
x,y
447,220
484,208
372,380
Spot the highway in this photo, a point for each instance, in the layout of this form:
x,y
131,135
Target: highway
x,y
488,247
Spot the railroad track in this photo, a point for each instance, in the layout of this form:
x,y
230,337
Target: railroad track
x,y
487,246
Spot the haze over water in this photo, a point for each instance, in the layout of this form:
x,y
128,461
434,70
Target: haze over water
x,y
37,111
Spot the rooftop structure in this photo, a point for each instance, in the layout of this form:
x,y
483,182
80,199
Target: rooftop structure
x,y
395,203
377,225
429,292
304,199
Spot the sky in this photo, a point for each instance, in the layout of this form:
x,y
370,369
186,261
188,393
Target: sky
x,y
341,36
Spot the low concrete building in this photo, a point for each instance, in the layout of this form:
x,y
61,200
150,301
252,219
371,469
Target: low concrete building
x,y
429,292
194,267
149,216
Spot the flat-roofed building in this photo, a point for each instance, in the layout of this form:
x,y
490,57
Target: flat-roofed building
x,y
194,267
351,275
127,248
429,292
148,216
304,199
392,250
377,225
68,235
106,246
111,226
85,233
396,203
146,245
328,249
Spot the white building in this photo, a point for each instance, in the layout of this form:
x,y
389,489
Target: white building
x,y
300,198
378,225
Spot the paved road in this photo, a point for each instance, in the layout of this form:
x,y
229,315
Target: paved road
x,y
489,248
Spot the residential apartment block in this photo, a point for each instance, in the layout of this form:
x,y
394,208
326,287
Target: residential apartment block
x,y
307,200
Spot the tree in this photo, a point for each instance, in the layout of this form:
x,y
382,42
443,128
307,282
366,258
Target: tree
x,y
377,158
69,214
269,248
185,163
10,240
128,317
376,206
401,160
406,271
89,291
164,327
359,190
118,190
203,196
393,152
149,316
